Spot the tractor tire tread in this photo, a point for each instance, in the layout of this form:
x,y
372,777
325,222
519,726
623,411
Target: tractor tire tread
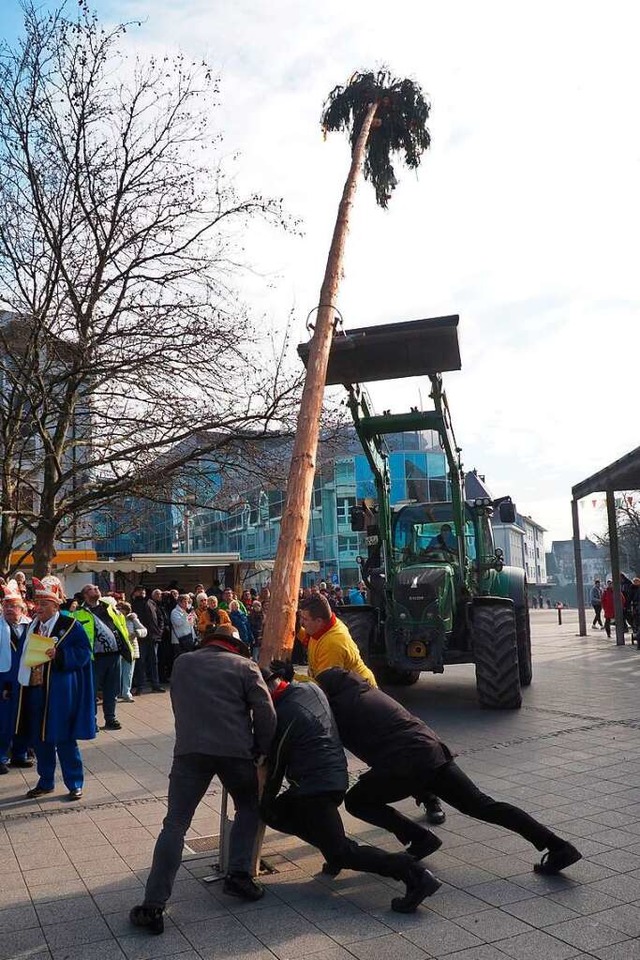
x,y
496,657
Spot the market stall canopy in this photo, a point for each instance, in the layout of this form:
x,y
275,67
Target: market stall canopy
x,y
260,566
186,559
150,562
109,566
63,558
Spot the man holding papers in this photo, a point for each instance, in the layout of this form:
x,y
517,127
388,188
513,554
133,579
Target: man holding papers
x,y
56,700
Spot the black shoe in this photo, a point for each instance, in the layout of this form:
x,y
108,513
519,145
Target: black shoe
x,y
3,768
36,792
158,690
113,725
330,869
420,885
424,845
74,794
148,917
22,762
243,886
434,812
556,860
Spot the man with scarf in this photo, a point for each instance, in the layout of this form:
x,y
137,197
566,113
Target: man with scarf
x,y
13,628
225,723
56,699
307,750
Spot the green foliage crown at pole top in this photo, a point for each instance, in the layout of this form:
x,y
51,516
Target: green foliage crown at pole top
x,y
399,124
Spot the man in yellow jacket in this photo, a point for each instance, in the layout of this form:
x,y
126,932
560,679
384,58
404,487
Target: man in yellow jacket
x,y
329,644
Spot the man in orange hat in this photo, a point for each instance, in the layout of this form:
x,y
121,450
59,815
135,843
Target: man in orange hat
x,y
56,702
13,628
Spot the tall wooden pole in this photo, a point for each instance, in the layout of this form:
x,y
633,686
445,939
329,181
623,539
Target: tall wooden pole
x,y
278,634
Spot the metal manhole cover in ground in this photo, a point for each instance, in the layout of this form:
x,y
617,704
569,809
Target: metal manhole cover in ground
x,y
202,844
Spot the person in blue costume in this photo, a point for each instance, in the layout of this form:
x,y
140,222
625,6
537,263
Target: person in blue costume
x,y
13,628
56,703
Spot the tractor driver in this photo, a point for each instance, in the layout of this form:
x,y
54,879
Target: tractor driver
x,y
445,540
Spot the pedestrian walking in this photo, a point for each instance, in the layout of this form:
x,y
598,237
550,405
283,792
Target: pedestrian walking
x,y
407,759
308,752
225,722
608,606
596,603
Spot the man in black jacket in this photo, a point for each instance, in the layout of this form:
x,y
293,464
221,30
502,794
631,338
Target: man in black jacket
x,y
307,750
407,759
148,612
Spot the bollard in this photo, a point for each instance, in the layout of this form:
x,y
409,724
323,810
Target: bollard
x,y
559,616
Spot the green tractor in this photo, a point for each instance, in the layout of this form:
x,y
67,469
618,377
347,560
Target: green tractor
x,y
439,591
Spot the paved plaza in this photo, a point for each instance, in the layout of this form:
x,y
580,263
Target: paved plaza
x,y
571,756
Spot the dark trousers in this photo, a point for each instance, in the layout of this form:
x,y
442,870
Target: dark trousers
x,y
166,656
369,798
190,776
147,665
316,820
106,677
597,609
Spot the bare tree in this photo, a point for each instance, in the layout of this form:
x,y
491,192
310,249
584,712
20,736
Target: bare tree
x,y
628,524
119,254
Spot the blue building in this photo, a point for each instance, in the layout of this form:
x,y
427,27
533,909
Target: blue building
x,y
251,526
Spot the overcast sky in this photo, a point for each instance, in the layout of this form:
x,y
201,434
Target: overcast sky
x,y
523,217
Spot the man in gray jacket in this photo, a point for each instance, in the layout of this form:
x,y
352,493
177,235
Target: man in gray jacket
x,y
225,722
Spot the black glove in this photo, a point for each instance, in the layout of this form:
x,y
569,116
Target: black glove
x,y
283,668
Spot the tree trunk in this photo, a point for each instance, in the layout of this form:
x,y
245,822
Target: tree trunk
x,y
43,549
280,618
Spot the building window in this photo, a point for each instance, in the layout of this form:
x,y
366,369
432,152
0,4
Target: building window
x,y
343,510
345,472
348,545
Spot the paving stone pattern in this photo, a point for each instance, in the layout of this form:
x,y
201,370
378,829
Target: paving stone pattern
x,y
571,756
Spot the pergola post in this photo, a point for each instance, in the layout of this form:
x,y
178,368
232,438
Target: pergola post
x,y
615,566
577,556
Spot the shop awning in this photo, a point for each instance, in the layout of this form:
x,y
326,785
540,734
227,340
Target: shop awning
x,y
260,566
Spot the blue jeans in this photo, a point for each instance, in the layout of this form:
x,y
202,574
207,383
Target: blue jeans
x,y
106,677
126,673
190,776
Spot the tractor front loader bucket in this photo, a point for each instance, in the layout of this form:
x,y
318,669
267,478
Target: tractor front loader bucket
x,y
412,348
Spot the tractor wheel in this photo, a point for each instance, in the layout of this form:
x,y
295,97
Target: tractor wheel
x,y
523,632
495,646
391,676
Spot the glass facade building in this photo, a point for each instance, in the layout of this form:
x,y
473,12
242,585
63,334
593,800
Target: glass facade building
x,y
252,527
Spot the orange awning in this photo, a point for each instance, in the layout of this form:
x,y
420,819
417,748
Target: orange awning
x,y
61,559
